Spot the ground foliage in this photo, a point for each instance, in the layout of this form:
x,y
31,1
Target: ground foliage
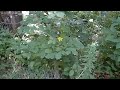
x,y
62,45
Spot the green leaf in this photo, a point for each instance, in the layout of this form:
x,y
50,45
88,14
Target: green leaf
x,y
74,66
118,20
31,64
22,47
34,50
106,31
48,50
92,76
68,52
51,15
74,52
38,64
63,52
58,49
70,49
117,52
113,67
78,44
66,73
50,56
110,38
117,45
26,29
58,55
71,73
119,58
43,46
112,28
52,41
26,55
112,56
20,31
65,28
66,69
59,14
116,40
42,54
18,56
0,42
41,28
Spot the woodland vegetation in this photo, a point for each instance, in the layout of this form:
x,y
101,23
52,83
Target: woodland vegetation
x,y
60,45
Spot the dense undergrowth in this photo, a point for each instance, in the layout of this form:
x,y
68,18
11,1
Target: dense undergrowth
x,y
62,45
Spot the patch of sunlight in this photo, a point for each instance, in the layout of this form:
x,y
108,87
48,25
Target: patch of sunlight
x,y
94,44
91,20
26,34
26,39
37,32
96,26
25,14
16,38
37,27
51,14
31,25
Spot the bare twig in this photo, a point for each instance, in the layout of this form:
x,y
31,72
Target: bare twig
x,y
81,73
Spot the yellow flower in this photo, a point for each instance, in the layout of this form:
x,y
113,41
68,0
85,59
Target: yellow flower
x,y
60,39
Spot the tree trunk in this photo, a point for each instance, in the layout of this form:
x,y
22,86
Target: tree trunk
x,y
11,19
